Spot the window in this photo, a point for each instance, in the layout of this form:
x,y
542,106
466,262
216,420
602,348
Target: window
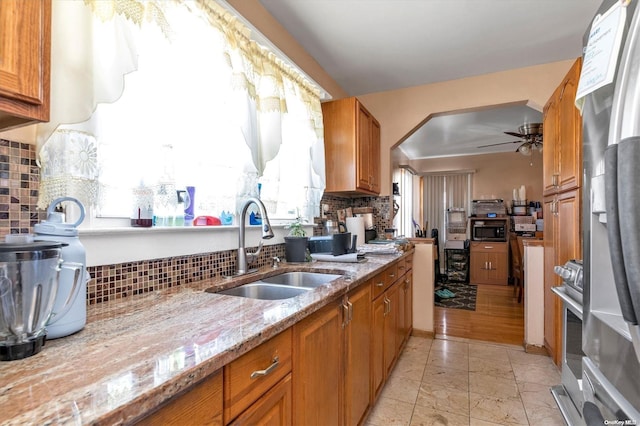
x,y
199,105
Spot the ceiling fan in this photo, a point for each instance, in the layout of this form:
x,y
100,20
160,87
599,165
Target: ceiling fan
x,y
530,135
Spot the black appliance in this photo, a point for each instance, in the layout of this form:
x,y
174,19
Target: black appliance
x,y
489,230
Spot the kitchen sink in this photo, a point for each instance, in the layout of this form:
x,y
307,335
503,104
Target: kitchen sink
x,y
301,279
265,291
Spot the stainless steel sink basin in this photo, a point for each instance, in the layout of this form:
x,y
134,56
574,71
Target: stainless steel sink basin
x,y
265,291
301,279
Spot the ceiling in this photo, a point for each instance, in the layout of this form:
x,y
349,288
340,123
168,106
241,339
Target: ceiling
x,y
370,46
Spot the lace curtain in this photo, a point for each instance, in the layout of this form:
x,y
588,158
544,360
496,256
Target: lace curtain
x,y
117,49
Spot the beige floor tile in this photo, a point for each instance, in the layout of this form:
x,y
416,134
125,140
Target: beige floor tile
x,y
544,416
506,411
493,386
541,374
401,389
446,377
536,395
491,352
419,342
390,412
450,346
496,368
458,361
478,422
521,357
423,416
410,366
440,398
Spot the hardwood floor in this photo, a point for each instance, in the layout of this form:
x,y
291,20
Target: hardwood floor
x,y
498,317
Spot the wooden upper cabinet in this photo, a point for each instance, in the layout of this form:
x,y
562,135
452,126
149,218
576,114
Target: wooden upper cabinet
x,y
562,154
25,61
352,148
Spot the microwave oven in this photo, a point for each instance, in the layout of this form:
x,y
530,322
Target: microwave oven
x,y
489,231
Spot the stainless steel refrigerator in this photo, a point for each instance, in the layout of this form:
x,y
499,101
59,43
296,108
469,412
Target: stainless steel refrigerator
x,y
611,225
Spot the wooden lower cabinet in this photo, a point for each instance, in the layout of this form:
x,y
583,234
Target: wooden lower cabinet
x,y
405,317
357,374
489,263
199,406
248,379
391,325
562,242
273,408
318,348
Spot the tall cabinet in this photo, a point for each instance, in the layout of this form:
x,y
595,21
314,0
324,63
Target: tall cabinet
x,y
562,182
352,148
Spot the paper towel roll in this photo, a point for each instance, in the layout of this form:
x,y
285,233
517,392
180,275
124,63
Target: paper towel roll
x,y
355,225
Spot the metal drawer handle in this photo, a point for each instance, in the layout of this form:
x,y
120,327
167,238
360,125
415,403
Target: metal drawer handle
x,y
268,370
392,275
380,284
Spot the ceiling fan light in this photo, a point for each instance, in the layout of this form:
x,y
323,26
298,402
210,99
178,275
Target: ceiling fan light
x,y
525,149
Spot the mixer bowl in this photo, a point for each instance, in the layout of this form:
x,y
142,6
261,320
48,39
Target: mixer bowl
x,y
28,285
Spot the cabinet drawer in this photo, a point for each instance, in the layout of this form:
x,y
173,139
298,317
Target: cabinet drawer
x,y
401,267
490,247
408,263
384,279
240,390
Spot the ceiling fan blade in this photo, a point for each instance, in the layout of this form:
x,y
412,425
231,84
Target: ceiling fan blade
x,y
501,143
517,135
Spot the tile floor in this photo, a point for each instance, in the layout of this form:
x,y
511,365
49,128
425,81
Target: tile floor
x,y
467,382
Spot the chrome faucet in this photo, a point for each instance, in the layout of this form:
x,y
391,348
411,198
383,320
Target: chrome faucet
x,y
245,258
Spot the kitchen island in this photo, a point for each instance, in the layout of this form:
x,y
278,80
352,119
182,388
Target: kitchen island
x,y
137,353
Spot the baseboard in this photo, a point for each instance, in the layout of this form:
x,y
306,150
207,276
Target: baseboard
x,y
534,349
422,333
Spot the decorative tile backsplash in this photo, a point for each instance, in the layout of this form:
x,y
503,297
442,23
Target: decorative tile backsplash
x,y
19,184
110,282
382,216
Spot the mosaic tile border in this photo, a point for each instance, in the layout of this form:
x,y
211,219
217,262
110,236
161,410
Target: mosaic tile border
x,y
109,282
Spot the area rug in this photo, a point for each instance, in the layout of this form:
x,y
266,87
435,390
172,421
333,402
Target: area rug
x,y
465,296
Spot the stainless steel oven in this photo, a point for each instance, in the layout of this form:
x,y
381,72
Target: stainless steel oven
x,y
568,395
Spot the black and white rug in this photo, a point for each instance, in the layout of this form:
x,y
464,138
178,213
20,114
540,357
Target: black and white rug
x,y
465,296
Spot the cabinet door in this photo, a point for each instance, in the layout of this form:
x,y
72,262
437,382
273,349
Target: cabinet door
x,y
498,268
478,266
570,132
377,345
273,408
374,162
318,355
202,405
391,333
358,355
550,153
25,50
363,148
406,308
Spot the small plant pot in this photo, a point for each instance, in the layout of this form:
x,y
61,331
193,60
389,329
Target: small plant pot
x,y
295,249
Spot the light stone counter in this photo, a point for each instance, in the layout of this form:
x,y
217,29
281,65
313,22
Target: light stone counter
x,y
136,353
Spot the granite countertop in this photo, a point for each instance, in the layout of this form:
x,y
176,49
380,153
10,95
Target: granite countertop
x,y
135,353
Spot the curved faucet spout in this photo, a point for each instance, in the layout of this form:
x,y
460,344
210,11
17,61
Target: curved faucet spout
x,y
267,233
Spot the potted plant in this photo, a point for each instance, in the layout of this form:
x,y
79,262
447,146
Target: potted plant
x,y
296,243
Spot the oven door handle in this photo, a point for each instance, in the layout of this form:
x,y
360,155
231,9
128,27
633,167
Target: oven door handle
x,y
562,294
